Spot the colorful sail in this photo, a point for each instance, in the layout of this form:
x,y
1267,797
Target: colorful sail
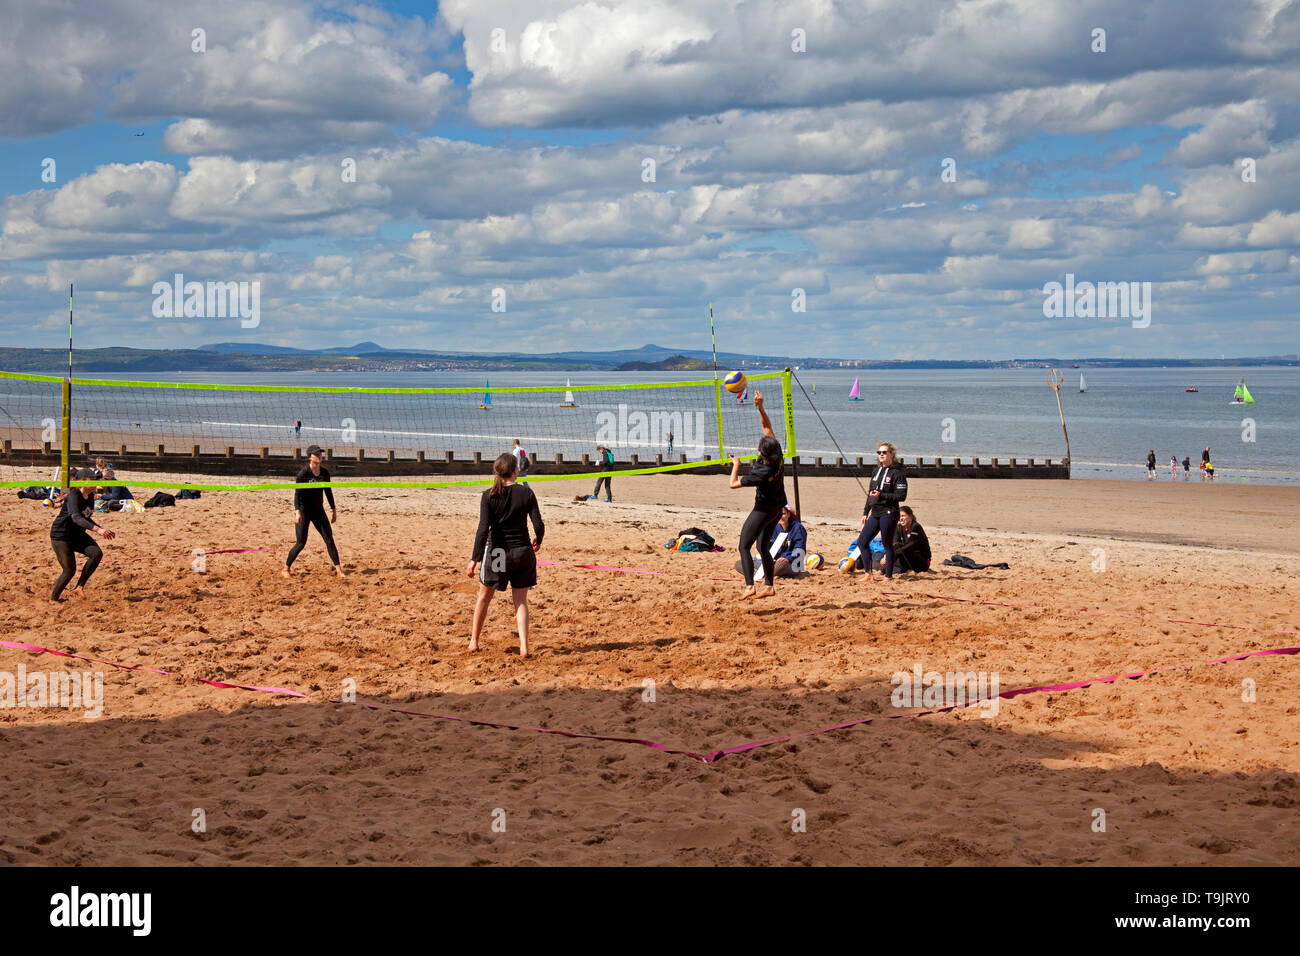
x,y
1241,394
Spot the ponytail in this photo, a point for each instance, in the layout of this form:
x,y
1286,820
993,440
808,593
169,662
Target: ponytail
x,y
505,468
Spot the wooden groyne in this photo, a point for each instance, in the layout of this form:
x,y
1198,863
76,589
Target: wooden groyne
x,y
361,463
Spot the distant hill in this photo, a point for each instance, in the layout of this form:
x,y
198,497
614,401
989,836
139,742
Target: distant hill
x,y
674,363
370,357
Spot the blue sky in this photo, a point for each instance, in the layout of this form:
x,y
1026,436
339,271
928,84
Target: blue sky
x,y
500,146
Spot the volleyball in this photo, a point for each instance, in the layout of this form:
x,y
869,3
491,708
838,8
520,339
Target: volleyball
x,y
735,382
47,503
846,565
814,562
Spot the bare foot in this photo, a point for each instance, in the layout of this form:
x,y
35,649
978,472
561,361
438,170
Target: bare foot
x,y
340,572
523,652
473,646
747,594
286,573
768,591
79,593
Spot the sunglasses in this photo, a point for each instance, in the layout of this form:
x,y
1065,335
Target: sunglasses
x,y
883,452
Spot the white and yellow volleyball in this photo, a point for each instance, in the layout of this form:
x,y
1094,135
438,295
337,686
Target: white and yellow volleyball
x,y
846,565
735,382
814,562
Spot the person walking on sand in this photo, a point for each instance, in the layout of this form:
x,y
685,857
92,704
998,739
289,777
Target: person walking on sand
x,y
606,464
670,443
504,512
767,477
1151,465
309,510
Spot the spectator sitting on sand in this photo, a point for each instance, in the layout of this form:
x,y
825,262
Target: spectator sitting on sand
x,y
795,543
911,546
115,492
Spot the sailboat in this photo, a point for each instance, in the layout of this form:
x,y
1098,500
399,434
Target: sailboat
x,y
740,399
1083,386
1241,395
487,397
853,392
568,395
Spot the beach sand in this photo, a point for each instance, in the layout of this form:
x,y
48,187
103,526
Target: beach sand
x,y
1185,770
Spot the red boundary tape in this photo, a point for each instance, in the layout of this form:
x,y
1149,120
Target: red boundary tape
x,y
709,757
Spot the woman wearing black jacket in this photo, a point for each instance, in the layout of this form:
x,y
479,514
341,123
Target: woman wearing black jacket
x,y
70,536
888,489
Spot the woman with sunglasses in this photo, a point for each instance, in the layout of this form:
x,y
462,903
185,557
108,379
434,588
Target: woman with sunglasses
x,y
888,489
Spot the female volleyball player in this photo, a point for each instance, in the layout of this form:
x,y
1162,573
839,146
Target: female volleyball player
x,y
70,536
768,480
886,492
308,509
504,512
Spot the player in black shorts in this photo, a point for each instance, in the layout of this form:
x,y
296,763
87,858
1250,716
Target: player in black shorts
x,y
501,545
768,481
309,509
70,536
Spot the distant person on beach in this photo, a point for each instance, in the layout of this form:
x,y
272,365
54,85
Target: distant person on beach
x,y
670,443
767,477
794,546
309,509
1187,468
297,428
1151,465
521,459
1209,471
1173,467
504,512
70,536
101,466
888,490
606,460
1205,460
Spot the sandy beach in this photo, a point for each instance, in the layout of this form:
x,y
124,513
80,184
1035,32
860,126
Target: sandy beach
x,y
1186,771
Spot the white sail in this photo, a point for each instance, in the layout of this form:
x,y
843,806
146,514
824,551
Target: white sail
x,y
1083,386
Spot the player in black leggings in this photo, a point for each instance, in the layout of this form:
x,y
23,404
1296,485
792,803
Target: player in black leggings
x,y
887,491
308,509
767,478
70,536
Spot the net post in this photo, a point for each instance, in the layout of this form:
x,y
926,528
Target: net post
x,y
65,449
789,438
717,398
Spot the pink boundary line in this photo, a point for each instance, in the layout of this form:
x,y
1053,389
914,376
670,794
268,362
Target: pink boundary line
x,y
714,755
151,670
709,757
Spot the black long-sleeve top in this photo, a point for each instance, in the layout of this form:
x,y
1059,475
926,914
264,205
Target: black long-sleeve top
x,y
506,517
891,482
309,499
913,543
74,521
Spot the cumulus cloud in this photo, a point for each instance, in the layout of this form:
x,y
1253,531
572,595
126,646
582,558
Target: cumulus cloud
x,y
313,162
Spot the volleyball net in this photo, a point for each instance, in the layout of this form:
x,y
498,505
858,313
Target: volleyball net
x,y
164,433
